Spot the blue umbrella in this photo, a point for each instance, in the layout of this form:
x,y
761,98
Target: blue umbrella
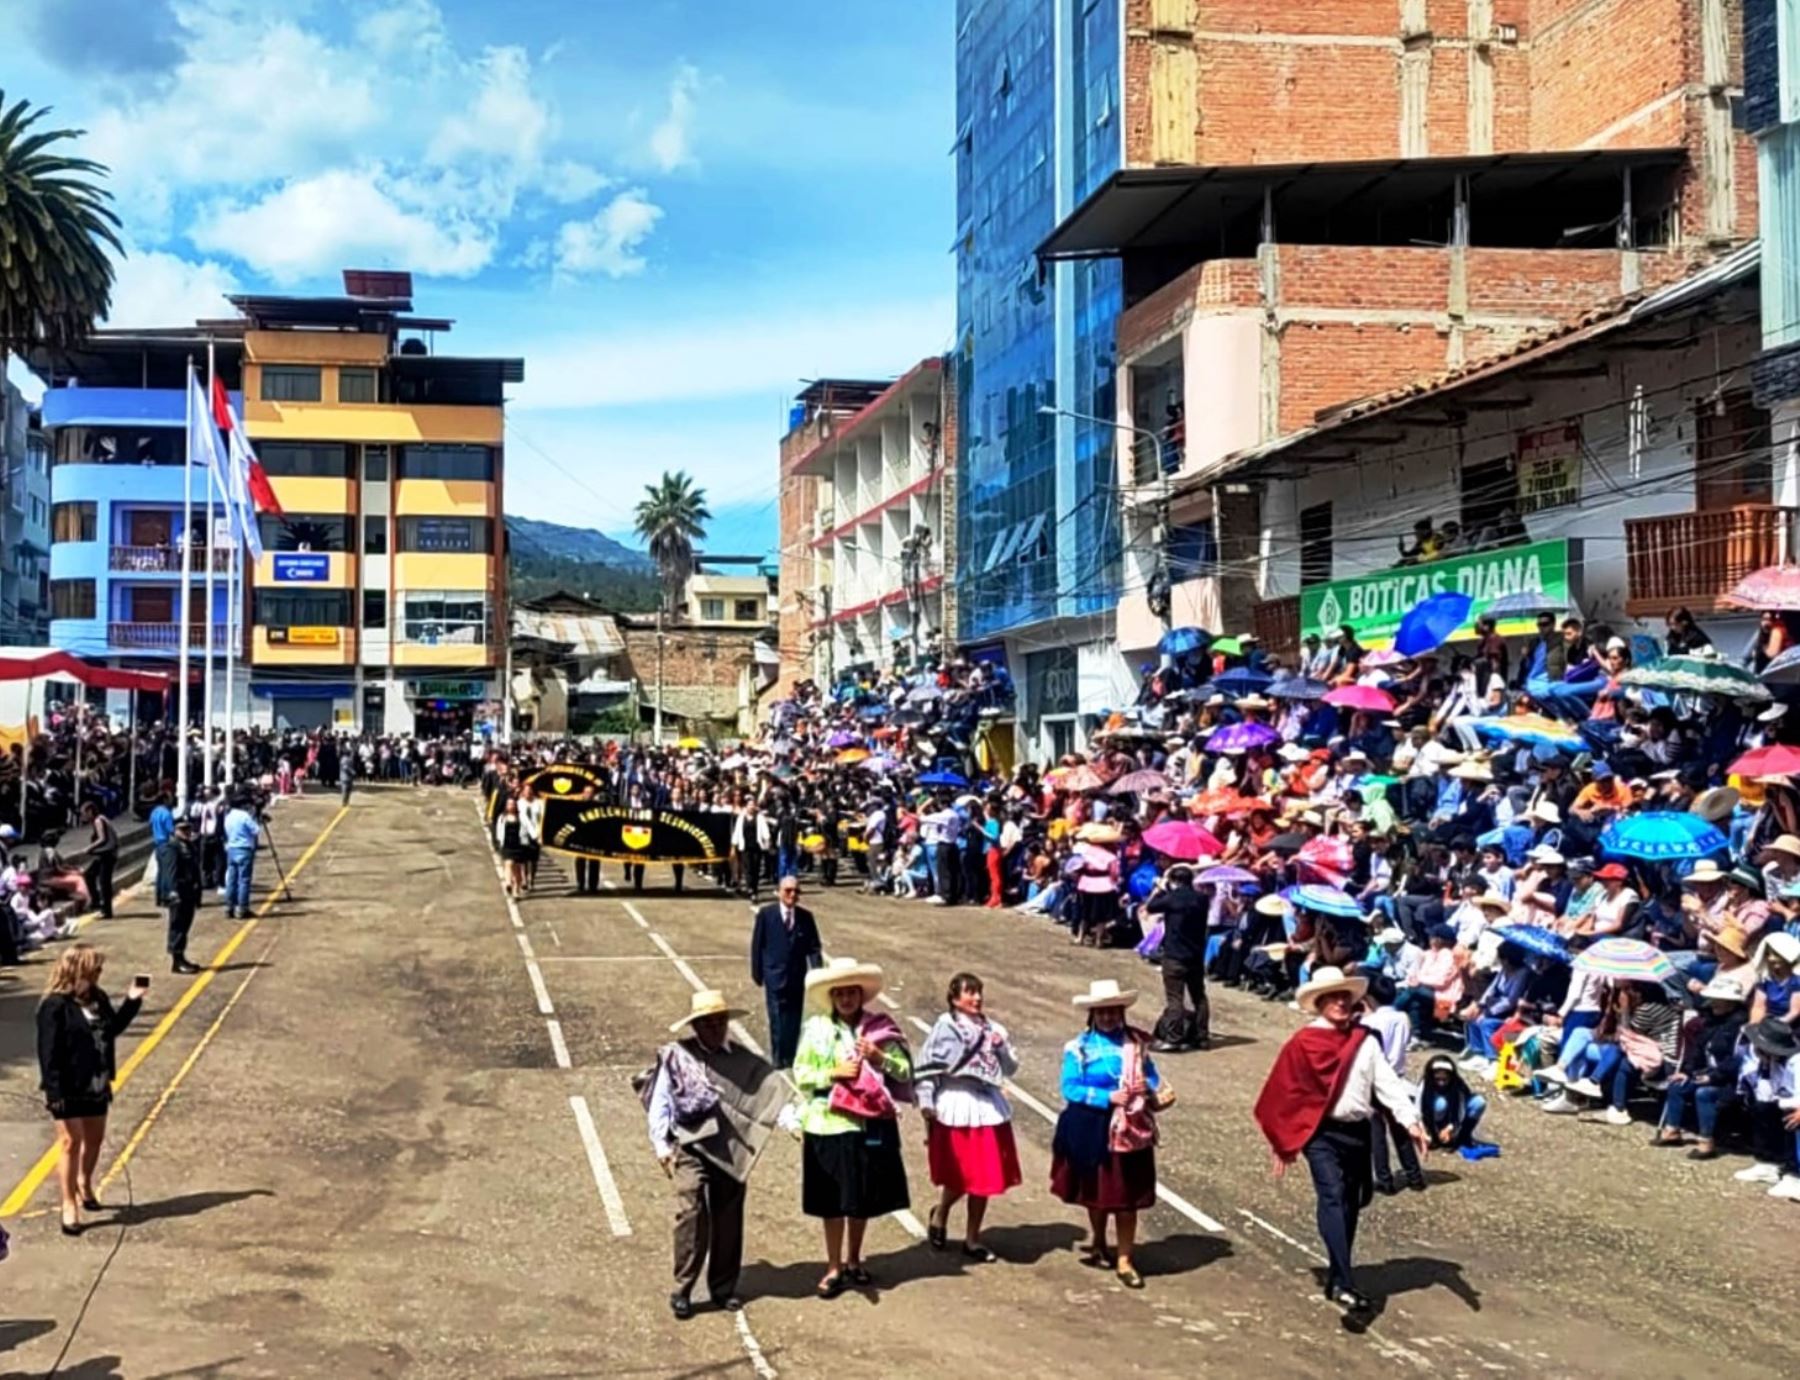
x,y
1430,621
1525,604
1784,669
1535,939
942,778
1662,836
1328,900
1298,688
1180,641
872,713
1241,680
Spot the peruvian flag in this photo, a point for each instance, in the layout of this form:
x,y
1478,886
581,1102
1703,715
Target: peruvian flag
x,y
251,492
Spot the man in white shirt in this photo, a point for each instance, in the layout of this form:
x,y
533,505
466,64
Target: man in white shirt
x,y
1325,1087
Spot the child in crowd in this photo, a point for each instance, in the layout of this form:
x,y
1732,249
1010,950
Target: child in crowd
x,y
1448,1110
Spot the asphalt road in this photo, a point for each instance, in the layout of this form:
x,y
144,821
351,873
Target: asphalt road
x,y
392,1134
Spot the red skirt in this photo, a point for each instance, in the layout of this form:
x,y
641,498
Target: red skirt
x,y
982,1161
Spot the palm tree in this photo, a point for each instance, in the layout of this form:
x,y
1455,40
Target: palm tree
x,y
56,224
671,517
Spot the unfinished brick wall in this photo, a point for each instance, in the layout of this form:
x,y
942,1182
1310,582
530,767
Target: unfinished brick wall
x,y
1561,283
1326,363
702,667
799,502
1386,278
1601,64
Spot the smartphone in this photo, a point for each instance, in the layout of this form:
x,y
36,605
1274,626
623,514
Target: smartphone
x,y
141,980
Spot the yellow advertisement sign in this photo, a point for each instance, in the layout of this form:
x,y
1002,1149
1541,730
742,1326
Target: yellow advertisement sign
x,y
303,637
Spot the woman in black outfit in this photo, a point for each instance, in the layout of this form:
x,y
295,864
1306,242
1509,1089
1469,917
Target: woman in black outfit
x,y
77,1026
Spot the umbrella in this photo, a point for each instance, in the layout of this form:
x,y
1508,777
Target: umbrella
x,y
1287,843
1225,875
1180,641
1698,675
689,744
1094,855
1228,646
1298,688
1775,587
1388,657
1784,669
1139,783
1430,622
1328,900
1325,859
1241,680
943,778
1242,737
881,766
924,694
1097,831
849,757
1536,729
733,762
1662,836
1182,840
1361,697
1534,939
843,738
1778,759
1526,603
1625,960
872,712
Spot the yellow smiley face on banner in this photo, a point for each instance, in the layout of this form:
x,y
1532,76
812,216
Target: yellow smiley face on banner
x,y
635,836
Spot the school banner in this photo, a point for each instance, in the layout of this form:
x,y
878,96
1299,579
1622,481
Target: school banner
x,y
1374,604
565,779
619,833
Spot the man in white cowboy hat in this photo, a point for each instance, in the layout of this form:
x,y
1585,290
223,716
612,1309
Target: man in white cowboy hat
x,y
711,1103
1326,1085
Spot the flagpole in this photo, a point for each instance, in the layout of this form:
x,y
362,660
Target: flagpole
x,y
232,597
187,597
206,711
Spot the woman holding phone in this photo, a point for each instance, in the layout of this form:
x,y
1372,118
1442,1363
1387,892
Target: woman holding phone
x,y
77,1027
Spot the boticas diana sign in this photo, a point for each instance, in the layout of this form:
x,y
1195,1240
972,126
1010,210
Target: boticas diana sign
x,y
1374,604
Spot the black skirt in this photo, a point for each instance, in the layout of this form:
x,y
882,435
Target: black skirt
x,y
1087,1172
853,1173
74,1108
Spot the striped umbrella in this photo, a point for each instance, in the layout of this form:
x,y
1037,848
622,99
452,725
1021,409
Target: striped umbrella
x,y
1225,875
1697,675
1535,729
1625,960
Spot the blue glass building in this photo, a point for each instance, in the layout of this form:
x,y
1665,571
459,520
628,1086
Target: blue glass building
x,y
1038,86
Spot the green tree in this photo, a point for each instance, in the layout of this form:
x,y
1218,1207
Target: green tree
x,y
671,517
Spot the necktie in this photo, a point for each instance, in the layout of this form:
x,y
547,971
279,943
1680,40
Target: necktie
x,y
787,917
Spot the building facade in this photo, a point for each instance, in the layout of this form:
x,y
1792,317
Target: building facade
x,y
25,539
1772,114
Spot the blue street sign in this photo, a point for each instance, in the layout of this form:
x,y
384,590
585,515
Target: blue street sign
x,y
301,569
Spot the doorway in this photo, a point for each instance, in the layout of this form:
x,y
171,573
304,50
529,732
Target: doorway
x,y
149,528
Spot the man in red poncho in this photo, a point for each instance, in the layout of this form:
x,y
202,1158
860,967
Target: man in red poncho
x,y
1318,1102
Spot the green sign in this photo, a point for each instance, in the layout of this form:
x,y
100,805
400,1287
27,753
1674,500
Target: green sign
x,y
1375,603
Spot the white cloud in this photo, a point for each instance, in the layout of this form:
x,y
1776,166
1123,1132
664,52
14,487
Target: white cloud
x,y
505,120
151,288
410,29
608,243
726,357
569,181
343,218
671,142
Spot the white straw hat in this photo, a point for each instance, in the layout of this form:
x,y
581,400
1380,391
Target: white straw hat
x,y
842,972
707,1003
1106,992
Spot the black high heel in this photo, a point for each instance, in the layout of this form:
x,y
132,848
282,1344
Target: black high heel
x,y
69,1228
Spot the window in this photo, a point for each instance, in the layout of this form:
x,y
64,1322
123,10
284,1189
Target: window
x,y
375,464
304,531
446,617
374,536
447,462
1315,544
746,610
445,534
305,460
712,610
374,608
72,522
1732,464
295,608
356,385
71,598
290,383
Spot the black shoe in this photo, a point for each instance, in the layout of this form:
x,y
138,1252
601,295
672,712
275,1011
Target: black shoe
x,y
681,1306
1164,1047
731,1303
1201,1042
92,1204
935,1232
1386,1186
1349,1300
1417,1183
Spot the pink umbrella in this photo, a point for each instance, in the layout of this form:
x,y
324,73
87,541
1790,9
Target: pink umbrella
x,y
1774,587
1095,856
1183,840
1139,783
1325,859
1389,657
1361,697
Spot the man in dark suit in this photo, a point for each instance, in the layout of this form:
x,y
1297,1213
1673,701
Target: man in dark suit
x,y
784,946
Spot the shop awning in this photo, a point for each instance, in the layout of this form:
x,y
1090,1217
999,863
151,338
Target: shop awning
x,y
31,663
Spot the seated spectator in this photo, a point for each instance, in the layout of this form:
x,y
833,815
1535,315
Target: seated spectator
x,y
1708,1077
1438,984
1498,1004
1449,1111
1769,1082
1777,994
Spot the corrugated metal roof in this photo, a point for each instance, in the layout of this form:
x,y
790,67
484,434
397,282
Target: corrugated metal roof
x,y
589,634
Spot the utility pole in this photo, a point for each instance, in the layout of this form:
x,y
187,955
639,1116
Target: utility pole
x,y
659,670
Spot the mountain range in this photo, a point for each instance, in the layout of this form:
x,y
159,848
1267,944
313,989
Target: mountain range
x,y
532,540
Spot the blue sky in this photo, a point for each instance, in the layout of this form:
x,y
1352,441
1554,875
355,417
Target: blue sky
x,y
673,209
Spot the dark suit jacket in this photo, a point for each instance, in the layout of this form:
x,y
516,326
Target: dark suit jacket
x,y
780,960
70,1060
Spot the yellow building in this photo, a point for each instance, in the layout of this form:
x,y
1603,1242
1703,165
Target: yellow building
x,y
381,589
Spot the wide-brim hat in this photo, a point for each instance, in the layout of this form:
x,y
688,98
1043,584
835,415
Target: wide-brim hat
x,y
1327,980
1783,945
707,1003
1293,752
1546,811
1393,934
1722,988
842,972
1105,992
1253,702
1787,845
1774,1038
1271,904
1715,804
1546,855
1706,870
1733,941
1473,771
1746,877
1494,901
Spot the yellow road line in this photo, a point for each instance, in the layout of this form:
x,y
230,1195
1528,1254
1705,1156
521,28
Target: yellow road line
x,y
34,1179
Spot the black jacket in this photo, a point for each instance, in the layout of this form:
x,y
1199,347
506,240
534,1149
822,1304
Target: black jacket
x,y
69,1060
780,960
1184,914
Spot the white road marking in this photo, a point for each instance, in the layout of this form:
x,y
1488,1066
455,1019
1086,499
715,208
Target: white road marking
x,y
1189,1211
886,1000
912,1224
636,915
609,884
681,964
1279,1234
525,944
1019,1094
536,975
625,958
603,1178
558,1045
555,938
753,1349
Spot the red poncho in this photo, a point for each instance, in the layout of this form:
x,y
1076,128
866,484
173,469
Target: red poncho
x,y
1303,1086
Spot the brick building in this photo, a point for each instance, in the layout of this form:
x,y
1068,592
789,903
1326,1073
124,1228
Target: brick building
x,y
1327,199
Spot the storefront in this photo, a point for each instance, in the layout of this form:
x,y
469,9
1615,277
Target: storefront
x,y
448,706
301,704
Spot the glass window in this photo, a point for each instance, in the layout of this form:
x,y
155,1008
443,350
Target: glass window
x,y
71,598
1778,205
356,385
446,617
374,608
447,462
375,464
72,522
304,531
747,611
713,610
445,534
291,383
305,460
309,608
374,536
